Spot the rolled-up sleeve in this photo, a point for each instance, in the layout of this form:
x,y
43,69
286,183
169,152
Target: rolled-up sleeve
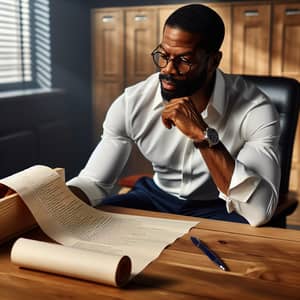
x,y
254,186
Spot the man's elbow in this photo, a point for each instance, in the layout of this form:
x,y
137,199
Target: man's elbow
x,y
260,218
260,208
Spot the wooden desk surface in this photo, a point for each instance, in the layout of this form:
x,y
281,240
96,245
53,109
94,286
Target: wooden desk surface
x,y
264,264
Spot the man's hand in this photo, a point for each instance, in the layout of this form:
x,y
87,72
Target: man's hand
x,y
182,113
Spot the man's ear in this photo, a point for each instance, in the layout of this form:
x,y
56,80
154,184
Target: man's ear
x,y
219,55
215,60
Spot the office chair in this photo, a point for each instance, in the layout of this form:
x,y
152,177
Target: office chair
x,y
285,95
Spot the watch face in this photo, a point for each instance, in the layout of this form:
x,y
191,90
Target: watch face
x,y
212,136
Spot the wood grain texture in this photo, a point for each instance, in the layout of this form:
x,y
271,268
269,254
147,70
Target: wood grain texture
x,y
264,263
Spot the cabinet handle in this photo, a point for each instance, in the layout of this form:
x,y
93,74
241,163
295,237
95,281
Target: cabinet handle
x,y
106,19
292,12
140,18
251,13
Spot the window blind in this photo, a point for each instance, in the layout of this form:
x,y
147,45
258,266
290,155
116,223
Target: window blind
x,y
15,42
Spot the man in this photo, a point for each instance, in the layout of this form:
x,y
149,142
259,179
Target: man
x,y
212,138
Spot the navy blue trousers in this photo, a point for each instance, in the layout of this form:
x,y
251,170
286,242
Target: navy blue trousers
x,y
148,196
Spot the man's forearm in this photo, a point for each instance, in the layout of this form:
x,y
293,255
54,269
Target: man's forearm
x,y
220,164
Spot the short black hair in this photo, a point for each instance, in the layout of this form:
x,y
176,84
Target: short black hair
x,y
200,19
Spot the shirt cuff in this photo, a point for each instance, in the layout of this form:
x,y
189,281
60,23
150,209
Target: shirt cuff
x,y
243,184
92,191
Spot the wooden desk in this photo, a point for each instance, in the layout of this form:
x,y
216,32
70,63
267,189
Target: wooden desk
x,y
264,264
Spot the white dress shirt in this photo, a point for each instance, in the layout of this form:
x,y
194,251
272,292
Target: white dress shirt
x,y
247,125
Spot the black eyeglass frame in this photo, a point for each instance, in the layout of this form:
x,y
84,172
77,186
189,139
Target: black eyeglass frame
x,y
168,59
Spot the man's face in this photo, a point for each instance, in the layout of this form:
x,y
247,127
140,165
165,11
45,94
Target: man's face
x,y
182,47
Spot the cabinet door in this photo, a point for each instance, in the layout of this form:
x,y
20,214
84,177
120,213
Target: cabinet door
x,y
225,13
141,39
286,40
107,62
251,39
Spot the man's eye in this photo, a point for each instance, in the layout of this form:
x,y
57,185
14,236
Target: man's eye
x,y
164,56
185,60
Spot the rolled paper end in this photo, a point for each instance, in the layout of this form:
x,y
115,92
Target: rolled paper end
x,y
123,271
74,262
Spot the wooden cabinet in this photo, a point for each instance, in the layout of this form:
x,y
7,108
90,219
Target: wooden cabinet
x,y
266,39
108,63
122,43
141,39
251,39
122,40
286,62
286,40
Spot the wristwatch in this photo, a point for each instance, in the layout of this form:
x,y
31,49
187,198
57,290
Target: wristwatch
x,y
211,138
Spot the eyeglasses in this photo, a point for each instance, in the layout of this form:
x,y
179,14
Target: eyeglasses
x,y
181,64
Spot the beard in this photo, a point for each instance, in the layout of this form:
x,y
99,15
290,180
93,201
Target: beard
x,y
184,87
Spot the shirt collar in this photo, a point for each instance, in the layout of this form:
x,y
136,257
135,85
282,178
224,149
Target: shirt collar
x,y
158,100
217,100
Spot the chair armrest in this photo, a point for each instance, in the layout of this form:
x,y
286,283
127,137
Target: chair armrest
x,y
287,204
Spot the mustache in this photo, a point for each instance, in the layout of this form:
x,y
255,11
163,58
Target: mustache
x,y
168,77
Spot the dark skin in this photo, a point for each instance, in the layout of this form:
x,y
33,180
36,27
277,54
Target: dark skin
x,y
185,112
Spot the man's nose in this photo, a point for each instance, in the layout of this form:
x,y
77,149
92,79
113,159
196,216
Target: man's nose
x,y
170,68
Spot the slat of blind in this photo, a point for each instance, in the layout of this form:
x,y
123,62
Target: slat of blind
x,y
42,43
10,6
15,52
26,40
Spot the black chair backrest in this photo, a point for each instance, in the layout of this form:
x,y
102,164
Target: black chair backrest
x,y
285,94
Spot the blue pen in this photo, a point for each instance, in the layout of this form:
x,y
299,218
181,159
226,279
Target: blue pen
x,y
211,255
